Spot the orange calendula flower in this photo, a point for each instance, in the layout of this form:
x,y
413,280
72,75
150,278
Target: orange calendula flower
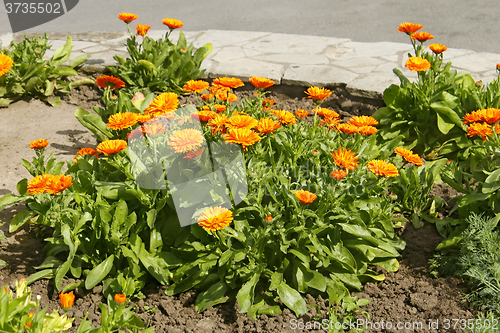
x,y
219,108
186,140
409,156
382,168
241,121
301,113
268,219
338,174
285,117
207,97
261,82
268,102
482,130
142,29
417,64
348,128
367,130
120,121
30,315
162,104
217,89
225,96
498,67
192,154
85,151
142,118
67,300
243,136
421,36
38,184
109,81
39,144
228,82
363,121
491,115
127,17
6,64
196,86
203,116
111,146
317,94
215,218
120,298
218,123
473,117
153,129
305,197
58,183
172,23
345,158
438,48
409,28
267,125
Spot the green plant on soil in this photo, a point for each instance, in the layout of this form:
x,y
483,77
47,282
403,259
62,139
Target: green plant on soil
x,y
474,254
159,65
31,75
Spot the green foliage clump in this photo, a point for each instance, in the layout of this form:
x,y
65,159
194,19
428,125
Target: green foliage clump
x,y
475,256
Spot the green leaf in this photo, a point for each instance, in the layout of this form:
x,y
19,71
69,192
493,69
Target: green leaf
x,y
98,273
40,275
9,199
292,299
79,60
65,71
312,278
246,294
20,219
60,273
213,296
62,53
94,123
491,184
443,125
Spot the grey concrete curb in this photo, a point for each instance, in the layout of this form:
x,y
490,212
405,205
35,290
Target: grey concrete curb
x,y
366,69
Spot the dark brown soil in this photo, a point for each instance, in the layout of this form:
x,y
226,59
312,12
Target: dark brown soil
x,y
410,295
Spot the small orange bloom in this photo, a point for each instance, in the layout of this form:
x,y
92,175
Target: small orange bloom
x,y
85,151
338,174
39,184
438,48
317,94
215,218
127,17
142,118
301,113
345,158
417,64
67,300
267,125
269,219
58,183
39,144
228,82
186,140
367,130
261,82
348,128
285,117
268,102
482,130
207,97
152,129
172,23
6,64
363,121
203,116
109,81
409,156
30,315
142,29
120,298
243,136
409,28
225,96
163,103
196,86
421,36
305,197
382,168
219,108
111,146
241,121
120,121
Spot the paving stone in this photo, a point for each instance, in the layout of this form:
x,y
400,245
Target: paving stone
x,y
477,62
294,58
123,49
107,57
97,48
454,53
287,43
55,44
359,65
119,40
317,75
5,39
371,86
78,45
227,38
228,53
358,49
246,68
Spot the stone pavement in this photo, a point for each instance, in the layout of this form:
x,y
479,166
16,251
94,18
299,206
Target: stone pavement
x,y
365,68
